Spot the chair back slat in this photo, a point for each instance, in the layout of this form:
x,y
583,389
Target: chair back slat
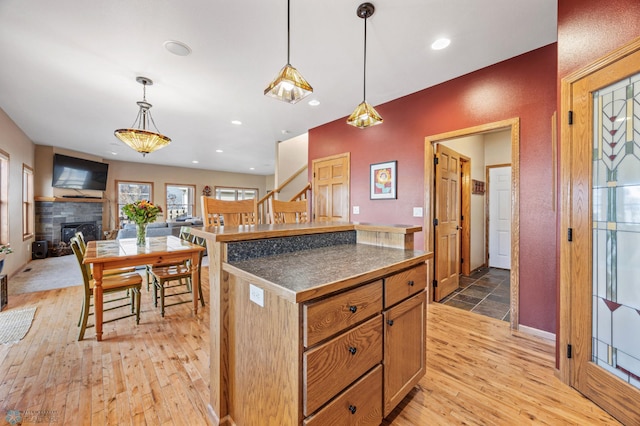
x,y
230,213
84,268
289,211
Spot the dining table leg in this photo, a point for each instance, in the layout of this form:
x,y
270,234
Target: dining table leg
x,y
97,299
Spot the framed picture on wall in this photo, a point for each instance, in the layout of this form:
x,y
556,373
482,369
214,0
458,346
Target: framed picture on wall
x,y
384,181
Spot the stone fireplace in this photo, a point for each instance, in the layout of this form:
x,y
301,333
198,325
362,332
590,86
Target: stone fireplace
x,y
58,219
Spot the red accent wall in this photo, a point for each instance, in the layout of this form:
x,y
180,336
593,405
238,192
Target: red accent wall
x,y
524,87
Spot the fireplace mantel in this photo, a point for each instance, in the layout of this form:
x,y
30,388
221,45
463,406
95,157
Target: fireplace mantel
x,y
70,200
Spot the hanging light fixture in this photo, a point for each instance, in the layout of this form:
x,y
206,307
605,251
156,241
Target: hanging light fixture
x,y
364,115
289,85
138,137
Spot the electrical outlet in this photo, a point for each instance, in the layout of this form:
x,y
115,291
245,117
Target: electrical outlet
x,y
256,295
356,209
417,212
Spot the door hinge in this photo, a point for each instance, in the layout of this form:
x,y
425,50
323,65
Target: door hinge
x,y
461,260
435,222
570,234
569,351
461,218
570,117
435,283
435,161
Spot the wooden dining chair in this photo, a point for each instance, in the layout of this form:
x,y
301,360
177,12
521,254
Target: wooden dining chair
x,y
83,247
185,234
173,277
126,283
288,211
230,213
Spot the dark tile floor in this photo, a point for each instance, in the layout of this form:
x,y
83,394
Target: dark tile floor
x,y
486,292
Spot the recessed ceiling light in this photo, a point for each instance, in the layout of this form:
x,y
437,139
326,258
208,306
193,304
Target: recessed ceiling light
x,y
236,122
219,150
195,161
440,43
285,132
177,48
314,102
114,153
252,168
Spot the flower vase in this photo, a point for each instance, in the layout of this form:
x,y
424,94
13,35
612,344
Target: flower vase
x,y
141,234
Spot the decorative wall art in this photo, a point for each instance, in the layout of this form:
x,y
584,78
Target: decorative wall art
x,y
477,187
384,180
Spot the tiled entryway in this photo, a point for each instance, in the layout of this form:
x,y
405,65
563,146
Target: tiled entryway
x,y
486,292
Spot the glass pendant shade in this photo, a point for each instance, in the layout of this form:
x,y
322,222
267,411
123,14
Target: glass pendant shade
x,y
364,116
137,136
289,86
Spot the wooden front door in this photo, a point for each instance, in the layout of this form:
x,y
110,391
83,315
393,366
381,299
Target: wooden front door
x,y
331,188
600,255
447,230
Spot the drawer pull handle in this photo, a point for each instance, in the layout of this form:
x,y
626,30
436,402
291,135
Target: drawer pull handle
x,y
352,408
353,309
410,283
390,322
352,350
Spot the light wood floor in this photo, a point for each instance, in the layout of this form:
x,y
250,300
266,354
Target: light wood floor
x,y
157,373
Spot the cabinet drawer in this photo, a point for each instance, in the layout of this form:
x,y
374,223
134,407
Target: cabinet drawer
x,y
334,365
327,317
358,405
399,286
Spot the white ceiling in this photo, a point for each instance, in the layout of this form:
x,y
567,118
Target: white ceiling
x,y
68,67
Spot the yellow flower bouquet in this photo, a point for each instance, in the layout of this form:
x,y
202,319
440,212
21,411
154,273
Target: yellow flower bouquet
x,y
141,213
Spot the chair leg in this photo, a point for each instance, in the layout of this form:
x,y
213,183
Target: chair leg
x,y
84,317
137,306
162,299
155,292
201,296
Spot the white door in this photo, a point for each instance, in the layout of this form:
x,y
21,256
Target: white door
x,y
500,217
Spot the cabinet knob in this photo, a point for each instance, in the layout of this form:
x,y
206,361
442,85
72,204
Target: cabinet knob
x,y
352,408
390,322
352,350
410,283
353,309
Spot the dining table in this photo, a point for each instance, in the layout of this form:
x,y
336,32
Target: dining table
x,y
124,252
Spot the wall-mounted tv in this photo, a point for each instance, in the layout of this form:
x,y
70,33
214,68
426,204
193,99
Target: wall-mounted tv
x,y
78,173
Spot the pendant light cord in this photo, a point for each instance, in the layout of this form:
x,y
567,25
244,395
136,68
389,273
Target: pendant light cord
x,y
288,31
364,73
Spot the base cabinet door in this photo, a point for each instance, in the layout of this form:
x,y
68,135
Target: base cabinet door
x,y
404,349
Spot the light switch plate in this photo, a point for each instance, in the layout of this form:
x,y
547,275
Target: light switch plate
x,y
417,212
256,295
356,209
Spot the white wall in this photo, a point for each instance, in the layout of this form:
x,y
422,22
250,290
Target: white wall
x,y
14,142
291,155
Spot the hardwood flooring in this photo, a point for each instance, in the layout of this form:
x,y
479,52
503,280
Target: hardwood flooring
x,y
157,373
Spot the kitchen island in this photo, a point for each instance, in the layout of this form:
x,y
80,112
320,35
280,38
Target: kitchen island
x,y
314,323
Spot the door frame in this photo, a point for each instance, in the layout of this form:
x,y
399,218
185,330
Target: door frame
x,y
465,211
513,125
565,287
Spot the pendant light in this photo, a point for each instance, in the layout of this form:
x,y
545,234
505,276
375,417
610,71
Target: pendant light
x,y
138,137
289,85
364,115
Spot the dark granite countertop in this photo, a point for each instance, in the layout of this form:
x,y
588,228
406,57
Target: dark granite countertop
x,y
306,274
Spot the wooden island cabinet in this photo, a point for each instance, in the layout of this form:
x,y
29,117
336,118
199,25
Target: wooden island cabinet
x,y
315,328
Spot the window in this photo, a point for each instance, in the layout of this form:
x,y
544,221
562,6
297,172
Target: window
x,y
28,214
180,200
4,197
232,194
128,192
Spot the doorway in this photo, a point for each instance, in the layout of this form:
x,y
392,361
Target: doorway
x,y
330,188
599,354
513,127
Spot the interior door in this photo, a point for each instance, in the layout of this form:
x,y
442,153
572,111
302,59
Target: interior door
x,y
500,217
604,254
447,229
331,188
